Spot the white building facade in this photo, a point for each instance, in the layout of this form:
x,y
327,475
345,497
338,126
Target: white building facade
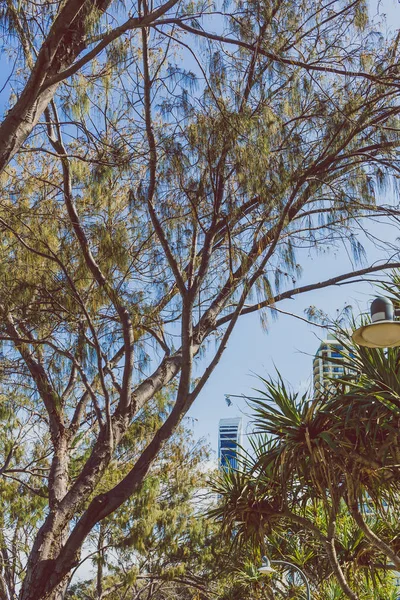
x,y
323,368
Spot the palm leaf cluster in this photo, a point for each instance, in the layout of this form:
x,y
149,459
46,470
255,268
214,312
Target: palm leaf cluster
x,y
320,485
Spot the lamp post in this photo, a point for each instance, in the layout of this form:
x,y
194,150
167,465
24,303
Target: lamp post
x,y
384,331
267,569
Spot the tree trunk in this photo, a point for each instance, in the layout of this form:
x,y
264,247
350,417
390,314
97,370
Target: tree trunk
x,y
53,541
331,551
337,569
60,591
375,540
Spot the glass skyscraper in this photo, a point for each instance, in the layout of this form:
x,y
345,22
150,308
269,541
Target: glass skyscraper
x,y
230,436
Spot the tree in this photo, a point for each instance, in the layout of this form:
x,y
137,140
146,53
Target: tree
x,y
159,538
159,543
24,459
138,210
327,472
290,501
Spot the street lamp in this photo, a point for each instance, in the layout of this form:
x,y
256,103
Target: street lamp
x,y
384,331
267,569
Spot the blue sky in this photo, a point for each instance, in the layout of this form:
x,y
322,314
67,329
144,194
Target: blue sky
x,y
290,343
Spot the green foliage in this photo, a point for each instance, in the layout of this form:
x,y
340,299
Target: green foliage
x,y
23,484
323,469
147,207
161,544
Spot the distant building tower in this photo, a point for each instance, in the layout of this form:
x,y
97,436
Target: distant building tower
x,y
323,369
230,436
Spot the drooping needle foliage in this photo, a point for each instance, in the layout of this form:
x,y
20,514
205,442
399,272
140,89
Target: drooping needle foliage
x,y
164,169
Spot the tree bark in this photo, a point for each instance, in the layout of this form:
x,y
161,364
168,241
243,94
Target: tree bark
x,y
331,551
52,544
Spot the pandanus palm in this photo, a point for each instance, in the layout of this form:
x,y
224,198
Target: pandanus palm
x,y
346,444
271,491
366,419
338,448
251,503
363,564
303,439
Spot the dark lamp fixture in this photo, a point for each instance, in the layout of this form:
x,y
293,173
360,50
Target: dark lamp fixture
x,y
384,331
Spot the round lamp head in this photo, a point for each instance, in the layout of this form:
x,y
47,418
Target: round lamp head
x,y
266,568
384,331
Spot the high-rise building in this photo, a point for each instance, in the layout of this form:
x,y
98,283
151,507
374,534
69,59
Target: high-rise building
x,y
230,436
323,368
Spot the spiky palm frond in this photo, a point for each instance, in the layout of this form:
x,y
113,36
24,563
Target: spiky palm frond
x,y
302,439
247,509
